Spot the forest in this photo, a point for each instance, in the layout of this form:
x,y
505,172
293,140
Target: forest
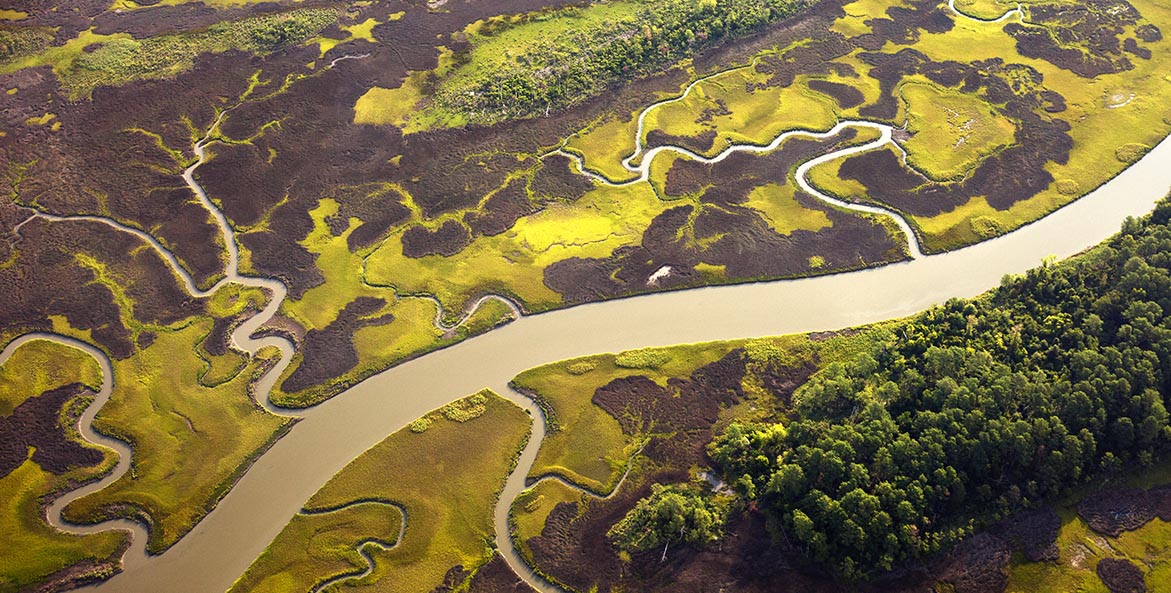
x,y
557,74
974,410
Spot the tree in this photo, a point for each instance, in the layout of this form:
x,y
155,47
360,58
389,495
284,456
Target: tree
x,y
671,514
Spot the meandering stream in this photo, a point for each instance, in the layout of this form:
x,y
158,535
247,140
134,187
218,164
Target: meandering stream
x,y
220,548
223,545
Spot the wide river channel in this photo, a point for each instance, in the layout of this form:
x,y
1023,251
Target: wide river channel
x,y
221,547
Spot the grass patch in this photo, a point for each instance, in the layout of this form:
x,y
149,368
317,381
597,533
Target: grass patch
x,y
31,550
779,207
951,131
585,445
531,509
513,262
604,144
91,60
447,479
381,106
725,104
190,442
1098,130
39,366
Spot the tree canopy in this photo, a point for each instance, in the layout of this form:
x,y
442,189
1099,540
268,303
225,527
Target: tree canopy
x,y
671,514
972,410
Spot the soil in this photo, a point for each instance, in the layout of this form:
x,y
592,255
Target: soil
x,y
45,279
1121,576
1083,38
500,211
497,577
1111,512
35,424
329,352
847,96
1033,533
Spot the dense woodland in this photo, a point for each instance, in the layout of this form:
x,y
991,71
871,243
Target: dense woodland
x,y
971,411
554,75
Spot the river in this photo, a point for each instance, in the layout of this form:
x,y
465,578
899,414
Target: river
x,y
222,546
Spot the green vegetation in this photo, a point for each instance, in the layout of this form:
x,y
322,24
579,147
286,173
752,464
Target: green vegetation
x,y
952,132
528,65
531,509
585,445
604,144
190,442
445,478
927,436
778,206
31,550
91,60
671,515
18,42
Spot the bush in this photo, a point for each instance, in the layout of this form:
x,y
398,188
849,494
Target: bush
x,y
282,32
468,408
1129,153
581,367
646,358
420,425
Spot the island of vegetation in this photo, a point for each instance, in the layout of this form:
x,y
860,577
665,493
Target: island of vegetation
x,y
951,448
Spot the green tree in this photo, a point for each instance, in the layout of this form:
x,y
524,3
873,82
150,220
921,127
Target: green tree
x,y
671,514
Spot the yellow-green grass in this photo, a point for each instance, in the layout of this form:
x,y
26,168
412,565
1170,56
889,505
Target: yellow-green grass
x,y
854,23
1098,131
1080,548
984,9
952,132
779,207
380,106
585,445
8,14
341,270
31,550
657,175
228,301
190,442
447,478
91,60
531,509
513,262
39,366
870,88
315,546
754,117
604,144
413,332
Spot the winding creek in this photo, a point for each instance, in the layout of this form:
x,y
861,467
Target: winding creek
x,y
223,545
330,435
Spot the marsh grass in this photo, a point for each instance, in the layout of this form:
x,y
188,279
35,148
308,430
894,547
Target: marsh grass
x,y
91,60
190,442
446,477
31,550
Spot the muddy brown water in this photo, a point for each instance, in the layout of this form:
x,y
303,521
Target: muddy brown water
x,y
221,547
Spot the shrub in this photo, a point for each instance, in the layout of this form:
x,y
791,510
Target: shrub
x,y
646,358
581,367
